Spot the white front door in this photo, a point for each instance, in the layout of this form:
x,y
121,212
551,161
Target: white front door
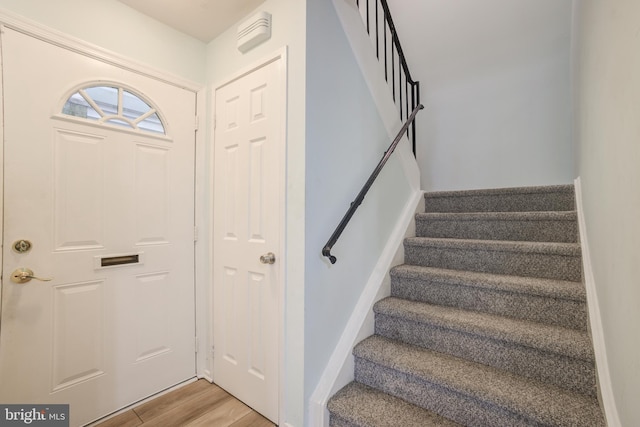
x,y
247,203
102,188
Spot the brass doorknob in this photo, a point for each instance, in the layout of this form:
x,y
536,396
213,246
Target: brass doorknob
x,y
268,258
24,275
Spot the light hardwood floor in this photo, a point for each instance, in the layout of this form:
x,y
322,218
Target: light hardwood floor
x,y
197,404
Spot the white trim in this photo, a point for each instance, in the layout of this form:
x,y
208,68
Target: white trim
x,y
102,125
278,55
211,253
607,398
74,44
282,413
204,364
265,60
207,375
1,172
339,369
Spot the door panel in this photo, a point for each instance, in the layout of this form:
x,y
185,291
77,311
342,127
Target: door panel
x,y
248,143
79,191
78,347
96,337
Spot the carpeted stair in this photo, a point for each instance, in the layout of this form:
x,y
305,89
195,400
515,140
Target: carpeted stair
x,y
486,324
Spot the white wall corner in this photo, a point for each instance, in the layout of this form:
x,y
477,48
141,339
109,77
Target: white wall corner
x,y
339,369
605,389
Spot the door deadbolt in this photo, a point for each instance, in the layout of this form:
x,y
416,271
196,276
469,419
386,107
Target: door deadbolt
x,y
22,246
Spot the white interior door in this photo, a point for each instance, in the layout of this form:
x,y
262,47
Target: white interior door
x,y
103,189
247,200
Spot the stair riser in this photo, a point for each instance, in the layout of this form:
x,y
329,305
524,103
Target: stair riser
x,y
566,372
562,201
457,407
551,311
531,231
549,266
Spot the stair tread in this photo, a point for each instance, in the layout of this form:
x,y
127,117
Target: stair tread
x,y
539,402
362,405
554,339
553,248
518,284
499,216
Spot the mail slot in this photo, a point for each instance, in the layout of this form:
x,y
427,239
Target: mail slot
x,y
120,260
117,260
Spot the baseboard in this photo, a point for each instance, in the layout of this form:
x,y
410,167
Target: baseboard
x,y
339,369
595,322
207,375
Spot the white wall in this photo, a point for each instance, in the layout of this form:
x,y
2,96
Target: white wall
x,y
495,83
112,25
345,139
607,137
223,61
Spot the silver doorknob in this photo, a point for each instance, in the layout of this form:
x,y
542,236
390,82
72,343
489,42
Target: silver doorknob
x,y
24,275
268,258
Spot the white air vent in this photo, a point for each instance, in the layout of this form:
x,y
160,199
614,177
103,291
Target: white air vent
x,y
254,31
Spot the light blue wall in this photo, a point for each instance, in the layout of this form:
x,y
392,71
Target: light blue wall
x,y
496,87
607,138
345,139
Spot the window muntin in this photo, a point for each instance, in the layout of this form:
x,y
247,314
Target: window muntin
x,y
114,105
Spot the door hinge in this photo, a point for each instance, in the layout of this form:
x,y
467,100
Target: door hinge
x,y
197,344
215,121
197,123
195,233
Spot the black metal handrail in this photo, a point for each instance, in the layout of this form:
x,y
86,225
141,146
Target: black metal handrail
x,y
405,91
326,251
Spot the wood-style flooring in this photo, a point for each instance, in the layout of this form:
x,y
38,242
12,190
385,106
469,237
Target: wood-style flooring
x,y
196,404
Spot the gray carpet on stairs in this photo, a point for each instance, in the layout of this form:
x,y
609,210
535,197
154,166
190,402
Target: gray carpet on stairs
x,y
487,320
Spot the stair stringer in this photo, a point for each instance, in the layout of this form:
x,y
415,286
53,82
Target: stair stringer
x,y
340,369
605,390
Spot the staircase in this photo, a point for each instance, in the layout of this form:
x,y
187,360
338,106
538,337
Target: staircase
x,y
486,324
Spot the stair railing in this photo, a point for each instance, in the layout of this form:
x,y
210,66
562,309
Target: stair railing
x,y
326,251
405,91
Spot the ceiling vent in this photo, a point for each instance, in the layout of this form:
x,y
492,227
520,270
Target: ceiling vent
x,y
254,31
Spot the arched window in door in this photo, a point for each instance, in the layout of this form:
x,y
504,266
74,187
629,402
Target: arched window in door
x,y
114,105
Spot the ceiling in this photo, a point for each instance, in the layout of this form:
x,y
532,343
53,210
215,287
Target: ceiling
x,y
202,19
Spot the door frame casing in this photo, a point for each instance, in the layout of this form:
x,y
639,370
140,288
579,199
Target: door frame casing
x,y
82,47
277,55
